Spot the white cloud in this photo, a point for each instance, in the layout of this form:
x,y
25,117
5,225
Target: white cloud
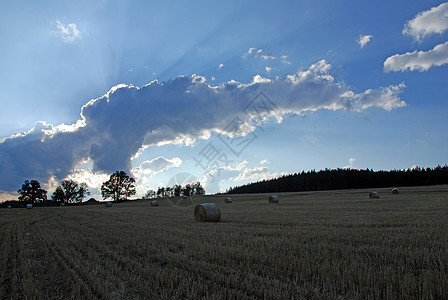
x,y
364,39
254,174
418,60
309,139
428,22
285,60
67,32
115,127
264,161
255,53
157,165
5,196
260,79
351,161
216,177
268,69
93,180
220,66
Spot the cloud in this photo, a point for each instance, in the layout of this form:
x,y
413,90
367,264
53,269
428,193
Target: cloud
x,y
268,69
157,165
67,32
254,174
115,127
428,22
255,53
5,196
418,60
220,66
284,59
264,161
364,39
93,180
351,161
309,139
215,177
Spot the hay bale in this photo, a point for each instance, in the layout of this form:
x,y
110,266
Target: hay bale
x,y
109,204
374,195
155,203
395,191
184,197
207,212
62,204
228,200
29,206
273,199
9,206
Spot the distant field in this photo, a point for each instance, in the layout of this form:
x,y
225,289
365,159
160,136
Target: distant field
x,y
318,245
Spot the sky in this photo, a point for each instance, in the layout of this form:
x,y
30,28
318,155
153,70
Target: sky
x,y
224,92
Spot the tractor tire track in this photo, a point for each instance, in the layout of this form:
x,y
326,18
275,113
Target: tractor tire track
x,y
77,285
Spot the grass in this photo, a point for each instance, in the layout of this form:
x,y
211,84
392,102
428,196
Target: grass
x,y
322,245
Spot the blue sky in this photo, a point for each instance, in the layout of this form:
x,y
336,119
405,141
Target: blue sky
x,y
356,84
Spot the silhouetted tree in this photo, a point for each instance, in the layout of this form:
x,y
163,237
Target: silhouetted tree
x,y
149,194
187,190
70,192
31,192
168,191
346,179
177,190
119,187
198,189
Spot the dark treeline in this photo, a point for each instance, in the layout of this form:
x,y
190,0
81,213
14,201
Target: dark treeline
x,y
346,179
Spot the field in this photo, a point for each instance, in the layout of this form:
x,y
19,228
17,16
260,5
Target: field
x,y
317,245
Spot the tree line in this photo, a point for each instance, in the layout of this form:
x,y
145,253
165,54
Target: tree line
x,y
334,179
193,189
119,187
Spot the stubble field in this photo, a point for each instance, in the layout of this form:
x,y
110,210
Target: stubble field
x,y
317,245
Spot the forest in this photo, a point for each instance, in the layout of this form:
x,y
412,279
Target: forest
x,y
336,179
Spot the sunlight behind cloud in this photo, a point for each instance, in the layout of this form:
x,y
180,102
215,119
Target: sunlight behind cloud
x,y
115,127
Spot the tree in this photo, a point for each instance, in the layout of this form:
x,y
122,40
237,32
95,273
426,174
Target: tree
x,y
31,192
119,187
177,190
198,189
70,192
58,195
159,192
187,190
168,191
150,194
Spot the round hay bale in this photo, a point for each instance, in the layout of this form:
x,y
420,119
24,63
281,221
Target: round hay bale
x,y
29,206
9,206
228,200
155,203
62,204
109,204
374,195
395,191
273,199
207,212
184,197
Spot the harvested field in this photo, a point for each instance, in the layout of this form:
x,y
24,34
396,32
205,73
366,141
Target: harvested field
x,y
322,245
